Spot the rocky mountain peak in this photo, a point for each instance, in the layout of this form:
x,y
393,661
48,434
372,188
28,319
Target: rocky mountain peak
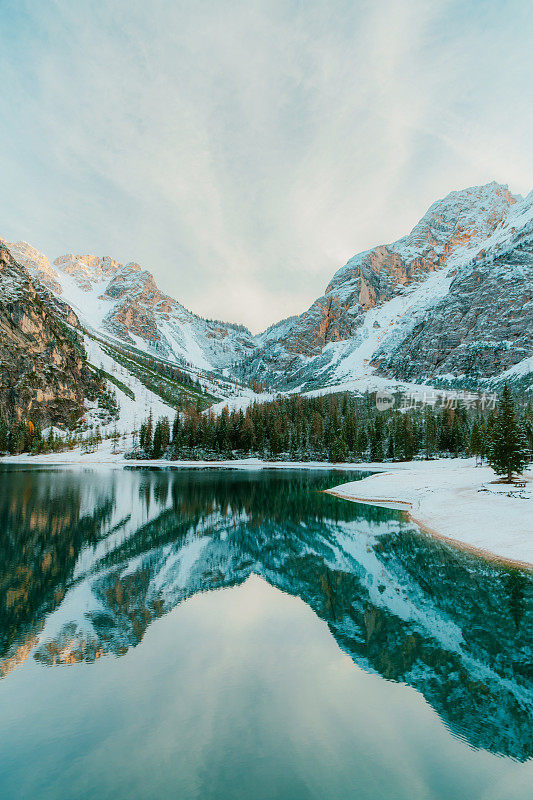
x,y
139,284
485,318
87,270
462,218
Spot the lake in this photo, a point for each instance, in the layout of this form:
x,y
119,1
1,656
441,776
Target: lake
x,y
240,634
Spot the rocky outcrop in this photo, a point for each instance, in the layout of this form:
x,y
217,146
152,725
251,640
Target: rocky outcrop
x,y
43,373
36,263
45,278
87,270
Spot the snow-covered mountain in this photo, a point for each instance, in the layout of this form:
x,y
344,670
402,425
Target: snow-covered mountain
x,y
451,299
124,302
449,304
483,326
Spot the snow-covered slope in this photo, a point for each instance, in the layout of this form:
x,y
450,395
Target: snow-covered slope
x,y
134,405
124,301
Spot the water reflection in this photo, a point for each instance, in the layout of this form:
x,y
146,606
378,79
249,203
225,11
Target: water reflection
x,y
89,559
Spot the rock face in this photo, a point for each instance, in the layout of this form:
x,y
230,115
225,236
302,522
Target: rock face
x,y
36,263
87,271
43,374
45,279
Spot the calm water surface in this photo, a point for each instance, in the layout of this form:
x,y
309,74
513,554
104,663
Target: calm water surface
x,y
227,634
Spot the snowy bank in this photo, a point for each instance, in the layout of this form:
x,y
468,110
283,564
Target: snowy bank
x,y
105,456
457,501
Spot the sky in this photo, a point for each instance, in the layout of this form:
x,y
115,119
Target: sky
x,y
244,151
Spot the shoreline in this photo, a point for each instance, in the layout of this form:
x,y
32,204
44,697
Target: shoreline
x,y
72,459
456,502
403,505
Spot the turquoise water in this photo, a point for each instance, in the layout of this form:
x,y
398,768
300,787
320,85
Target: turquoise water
x,y
228,634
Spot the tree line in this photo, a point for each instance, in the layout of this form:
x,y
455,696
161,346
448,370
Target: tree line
x,y
342,427
26,437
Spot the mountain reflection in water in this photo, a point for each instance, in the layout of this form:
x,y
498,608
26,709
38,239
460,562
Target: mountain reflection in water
x,y
125,547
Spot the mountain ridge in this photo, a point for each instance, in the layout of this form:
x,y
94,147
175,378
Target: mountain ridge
x,y
450,301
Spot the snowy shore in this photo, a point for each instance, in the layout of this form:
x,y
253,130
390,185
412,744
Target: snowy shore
x,y
457,501
105,456
449,498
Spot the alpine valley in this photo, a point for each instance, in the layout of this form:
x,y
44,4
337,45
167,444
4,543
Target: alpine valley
x,y
449,305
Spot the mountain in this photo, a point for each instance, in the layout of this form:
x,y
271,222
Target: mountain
x,y
43,372
123,301
452,298
450,305
483,326
119,383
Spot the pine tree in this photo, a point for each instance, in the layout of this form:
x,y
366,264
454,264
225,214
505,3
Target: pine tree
x,y
376,439
147,446
165,433
4,435
37,441
50,440
390,446
176,425
507,445
476,440
161,437
430,433
247,434
115,439
362,442
142,435
338,450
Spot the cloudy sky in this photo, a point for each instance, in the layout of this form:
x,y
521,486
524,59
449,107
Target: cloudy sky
x,y
243,151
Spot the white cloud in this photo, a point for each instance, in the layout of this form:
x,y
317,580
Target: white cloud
x,y
243,151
